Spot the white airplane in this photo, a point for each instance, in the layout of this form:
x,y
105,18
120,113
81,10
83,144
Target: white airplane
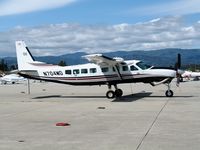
x,y
101,71
190,74
11,78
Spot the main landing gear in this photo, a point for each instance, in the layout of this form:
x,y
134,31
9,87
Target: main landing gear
x,y
169,93
112,94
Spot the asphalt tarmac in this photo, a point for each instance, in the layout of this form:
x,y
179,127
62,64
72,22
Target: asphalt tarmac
x,y
143,119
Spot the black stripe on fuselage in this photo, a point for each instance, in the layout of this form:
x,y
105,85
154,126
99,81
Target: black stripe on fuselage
x,y
132,80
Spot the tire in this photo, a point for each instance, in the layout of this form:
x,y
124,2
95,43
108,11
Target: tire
x,y
169,93
118,93
110,94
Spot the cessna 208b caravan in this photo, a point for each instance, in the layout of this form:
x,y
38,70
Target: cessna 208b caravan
x,y
101,71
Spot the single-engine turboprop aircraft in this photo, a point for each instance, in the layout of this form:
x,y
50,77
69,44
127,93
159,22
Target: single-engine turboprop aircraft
x,y
101,71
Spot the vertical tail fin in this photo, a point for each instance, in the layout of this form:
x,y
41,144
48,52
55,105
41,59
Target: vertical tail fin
x,y
24,57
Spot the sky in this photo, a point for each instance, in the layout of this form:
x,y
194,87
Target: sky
x,y
59,27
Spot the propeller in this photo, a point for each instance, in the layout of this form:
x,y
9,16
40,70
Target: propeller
x,y
177,69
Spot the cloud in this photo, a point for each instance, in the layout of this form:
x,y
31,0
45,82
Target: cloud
x,y
176,7
57,39
11,7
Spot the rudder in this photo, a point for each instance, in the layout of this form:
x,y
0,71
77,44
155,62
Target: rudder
x,y
24,57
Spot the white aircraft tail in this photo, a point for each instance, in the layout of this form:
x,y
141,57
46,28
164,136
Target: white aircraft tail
x,y
24,57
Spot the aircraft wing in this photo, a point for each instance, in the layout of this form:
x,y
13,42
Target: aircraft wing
x,y
100,59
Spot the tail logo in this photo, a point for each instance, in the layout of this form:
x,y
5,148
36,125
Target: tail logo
x,y
25,53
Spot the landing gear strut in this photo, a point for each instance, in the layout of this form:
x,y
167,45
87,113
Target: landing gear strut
x,y
169,93
111,94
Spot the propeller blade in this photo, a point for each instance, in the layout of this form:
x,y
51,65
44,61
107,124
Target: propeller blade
x,y
177,67
179,61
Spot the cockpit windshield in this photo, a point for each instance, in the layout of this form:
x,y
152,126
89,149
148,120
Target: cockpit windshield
x,y
143,66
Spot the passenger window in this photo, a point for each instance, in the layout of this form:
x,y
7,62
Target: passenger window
x,y
133,68
124,68
93,70
76,71
84,71
68,72
105,69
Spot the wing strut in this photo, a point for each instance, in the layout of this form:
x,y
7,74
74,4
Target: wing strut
x,y
118,72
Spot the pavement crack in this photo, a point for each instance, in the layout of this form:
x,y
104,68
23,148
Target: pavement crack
x,y
152,124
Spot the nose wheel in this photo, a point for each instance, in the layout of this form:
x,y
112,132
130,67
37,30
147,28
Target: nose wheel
x,y
169,93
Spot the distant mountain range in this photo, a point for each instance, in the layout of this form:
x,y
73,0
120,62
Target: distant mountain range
x,y
163,57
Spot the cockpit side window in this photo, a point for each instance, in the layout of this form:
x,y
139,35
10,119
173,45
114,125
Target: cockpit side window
x,y
142,65
133,68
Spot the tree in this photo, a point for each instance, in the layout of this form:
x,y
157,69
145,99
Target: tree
x,y
62,63
3,65
13,67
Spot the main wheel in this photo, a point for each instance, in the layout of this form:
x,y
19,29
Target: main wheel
x,y
169,93
110,94
118,93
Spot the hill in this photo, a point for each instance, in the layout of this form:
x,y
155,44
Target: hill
x,y
163,57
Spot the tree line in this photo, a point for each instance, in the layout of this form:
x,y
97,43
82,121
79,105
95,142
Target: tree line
x,y
4,66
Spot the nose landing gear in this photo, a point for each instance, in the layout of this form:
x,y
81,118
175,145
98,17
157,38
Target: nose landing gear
x,y
169,93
